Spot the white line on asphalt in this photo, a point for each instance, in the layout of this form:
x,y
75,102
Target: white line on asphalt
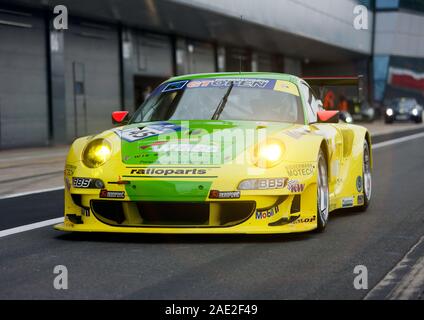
x,y
39,156
31,226
398,140
408,285
21,194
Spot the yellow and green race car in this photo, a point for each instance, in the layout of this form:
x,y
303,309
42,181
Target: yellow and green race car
x,y
219,153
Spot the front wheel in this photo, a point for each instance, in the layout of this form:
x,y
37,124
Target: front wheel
x,y
322,193
366,177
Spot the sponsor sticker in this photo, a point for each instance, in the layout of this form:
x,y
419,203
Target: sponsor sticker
x,y
286,86
295,186
140,133
184,147
81,182
347,202
300,170
173,86
237,82
69,169
359,184
216,194
265,214
305,220
167,171
112,194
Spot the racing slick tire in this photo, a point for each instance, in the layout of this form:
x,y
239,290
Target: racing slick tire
x,y
366,177
322,193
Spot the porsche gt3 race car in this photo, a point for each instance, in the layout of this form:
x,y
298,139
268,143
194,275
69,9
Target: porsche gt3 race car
x,y
219,153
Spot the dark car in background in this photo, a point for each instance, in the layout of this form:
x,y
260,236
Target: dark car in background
x,y
403,109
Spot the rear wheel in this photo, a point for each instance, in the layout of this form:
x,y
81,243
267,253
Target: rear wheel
x,y
366,177
322,193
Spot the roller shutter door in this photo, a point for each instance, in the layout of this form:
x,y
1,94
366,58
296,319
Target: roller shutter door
x,y
23,80
92,77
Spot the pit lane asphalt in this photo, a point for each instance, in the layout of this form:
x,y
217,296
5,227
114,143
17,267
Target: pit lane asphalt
x,y
299,266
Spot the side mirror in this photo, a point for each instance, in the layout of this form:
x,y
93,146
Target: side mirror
x,y
120,117
328,116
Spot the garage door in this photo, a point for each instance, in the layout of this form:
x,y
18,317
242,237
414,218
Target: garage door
x,y
92,75
238,59
154,55
23,82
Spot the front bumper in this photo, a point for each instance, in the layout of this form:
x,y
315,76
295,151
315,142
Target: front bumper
x,y
182,206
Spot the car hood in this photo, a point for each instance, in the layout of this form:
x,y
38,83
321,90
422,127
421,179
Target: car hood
x,y
192,142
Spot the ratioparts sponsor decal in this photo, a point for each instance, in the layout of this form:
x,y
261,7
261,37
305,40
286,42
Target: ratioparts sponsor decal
x,y
168,171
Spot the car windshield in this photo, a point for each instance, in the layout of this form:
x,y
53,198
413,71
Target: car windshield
x,y
249,99
404,103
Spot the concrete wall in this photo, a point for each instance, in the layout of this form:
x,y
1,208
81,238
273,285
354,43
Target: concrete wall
x,y
399,33
327,21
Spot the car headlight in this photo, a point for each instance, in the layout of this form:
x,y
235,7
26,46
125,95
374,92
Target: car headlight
x,y
389,112
96,153
415,112
268,154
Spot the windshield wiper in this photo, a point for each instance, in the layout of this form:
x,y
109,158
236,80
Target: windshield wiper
x,y
223,102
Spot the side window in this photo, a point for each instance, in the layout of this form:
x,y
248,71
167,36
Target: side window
x,y
313,105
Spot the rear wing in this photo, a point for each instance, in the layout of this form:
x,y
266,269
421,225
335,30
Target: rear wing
x,y
322,82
